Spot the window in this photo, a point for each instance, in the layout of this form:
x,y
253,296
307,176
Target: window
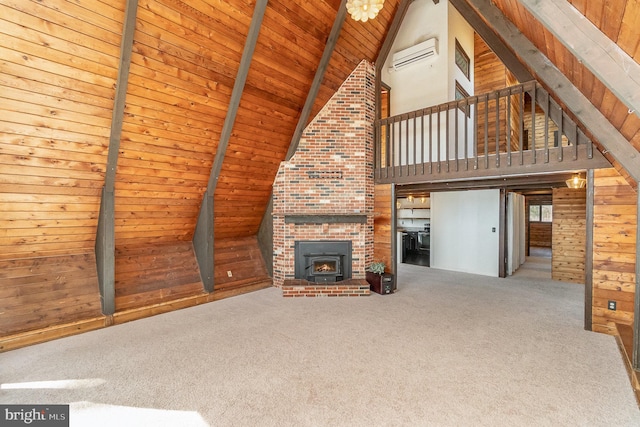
x,y
462,60
540,213
460,93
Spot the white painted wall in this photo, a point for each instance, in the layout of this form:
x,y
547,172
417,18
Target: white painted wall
x,y
459,29
424,83
429,82
461,233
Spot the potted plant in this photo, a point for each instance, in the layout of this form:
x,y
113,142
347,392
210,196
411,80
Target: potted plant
x,y
380,281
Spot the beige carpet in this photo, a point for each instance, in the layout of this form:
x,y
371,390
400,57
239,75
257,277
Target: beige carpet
x,y
447,350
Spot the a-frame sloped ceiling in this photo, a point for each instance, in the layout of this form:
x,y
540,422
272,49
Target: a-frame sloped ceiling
x,y
59,65
619,20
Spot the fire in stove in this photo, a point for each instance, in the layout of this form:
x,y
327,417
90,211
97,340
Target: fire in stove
x,y
325,267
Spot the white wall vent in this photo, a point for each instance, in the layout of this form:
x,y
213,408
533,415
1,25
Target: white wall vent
x,y
413,54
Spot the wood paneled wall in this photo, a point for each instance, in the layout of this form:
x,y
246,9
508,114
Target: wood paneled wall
x,y
618,19
569,235
57,77
242,258
58,71
42,291
538,233
155,274
491,75
614,250
382,225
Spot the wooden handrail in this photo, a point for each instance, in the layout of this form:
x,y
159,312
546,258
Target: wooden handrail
x,y
486,131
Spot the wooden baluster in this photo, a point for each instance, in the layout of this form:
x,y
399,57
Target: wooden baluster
x,y
546,128
447,136
466,134
415,153
575,148
560,134
476,137
438,140
521,126
508,127
486,131
533,124
392,164
430,141
407,155
422,141
400,143
497,129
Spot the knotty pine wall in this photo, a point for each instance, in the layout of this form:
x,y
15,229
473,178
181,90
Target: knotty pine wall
x,y
614,250
57,78
538,233
383,226
491,75
569,235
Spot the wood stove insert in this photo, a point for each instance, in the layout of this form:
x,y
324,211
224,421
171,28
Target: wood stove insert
x,y
323,261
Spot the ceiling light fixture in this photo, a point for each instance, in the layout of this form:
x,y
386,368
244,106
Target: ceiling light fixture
x,y
363,10
576,182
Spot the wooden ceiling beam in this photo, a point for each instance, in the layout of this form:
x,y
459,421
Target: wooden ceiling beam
x,y
318,78
495,43
618,71
105,232
557,83
203,234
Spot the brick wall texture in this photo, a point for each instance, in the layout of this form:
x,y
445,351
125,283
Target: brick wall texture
x,y
331,173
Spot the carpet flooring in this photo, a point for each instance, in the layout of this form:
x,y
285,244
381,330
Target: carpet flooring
x,y
447,349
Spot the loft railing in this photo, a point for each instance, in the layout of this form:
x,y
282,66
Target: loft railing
x,y
499,133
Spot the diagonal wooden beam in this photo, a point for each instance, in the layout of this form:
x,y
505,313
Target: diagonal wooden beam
x,y
318,78
403,7
602,56
236,94
635,356
557,83
105,233
203,234
495,43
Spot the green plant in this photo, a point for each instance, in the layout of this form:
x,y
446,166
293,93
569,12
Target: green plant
x,y
377,267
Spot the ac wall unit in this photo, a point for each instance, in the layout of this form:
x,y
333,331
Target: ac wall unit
x,y
413,54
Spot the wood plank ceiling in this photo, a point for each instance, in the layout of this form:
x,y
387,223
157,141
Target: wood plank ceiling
x,y
619,20
59,65
58,69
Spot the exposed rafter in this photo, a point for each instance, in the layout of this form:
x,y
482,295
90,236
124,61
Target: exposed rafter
x,y
203,235
605,59
105,233
557,83
495,43
317,79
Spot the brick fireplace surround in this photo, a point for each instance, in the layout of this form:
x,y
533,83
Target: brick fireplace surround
x,y
325,191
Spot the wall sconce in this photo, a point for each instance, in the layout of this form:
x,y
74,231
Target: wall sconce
x,y
576,182
410,199
423,200
398,204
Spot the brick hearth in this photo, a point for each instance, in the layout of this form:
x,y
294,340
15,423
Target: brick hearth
x,y
325,191
346,288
